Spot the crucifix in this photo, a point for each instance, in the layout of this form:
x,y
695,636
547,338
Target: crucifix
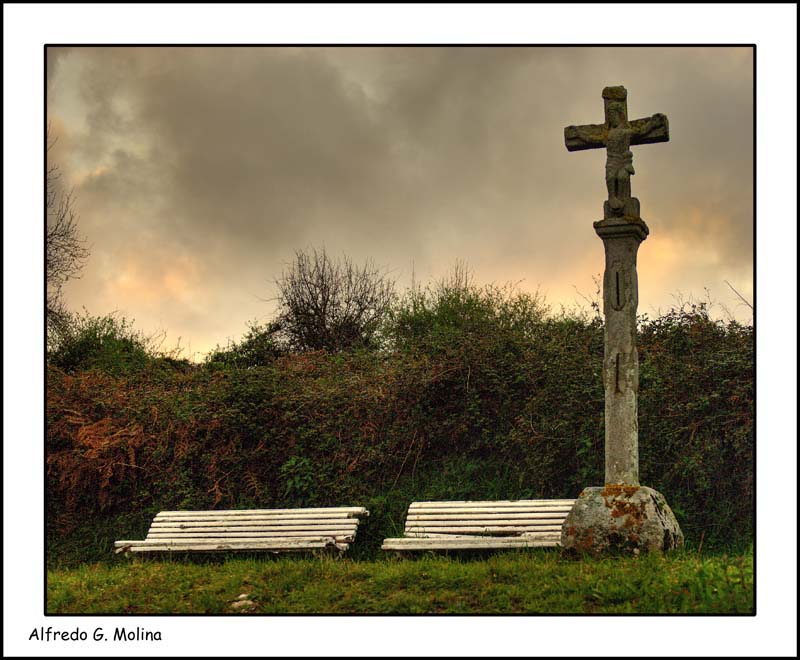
x,y
621,516
618,135
622,230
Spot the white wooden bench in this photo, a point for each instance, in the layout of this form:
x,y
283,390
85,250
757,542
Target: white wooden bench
x,y
482,525
268,530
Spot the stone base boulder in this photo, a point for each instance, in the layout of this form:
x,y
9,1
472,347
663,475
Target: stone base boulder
x,y
619,519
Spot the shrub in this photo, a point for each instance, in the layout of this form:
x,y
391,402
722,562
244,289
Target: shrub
x,y
483,396
106,343
456,310
258,347
696,440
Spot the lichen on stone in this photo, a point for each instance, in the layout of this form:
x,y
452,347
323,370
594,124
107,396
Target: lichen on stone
x,y
620,519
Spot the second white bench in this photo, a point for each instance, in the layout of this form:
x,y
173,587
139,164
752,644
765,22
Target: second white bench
x,y
482,525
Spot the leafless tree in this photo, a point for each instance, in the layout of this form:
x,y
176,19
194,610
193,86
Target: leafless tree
x,y
66,250
331,304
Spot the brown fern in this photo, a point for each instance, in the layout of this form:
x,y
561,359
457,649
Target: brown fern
x,y
252,484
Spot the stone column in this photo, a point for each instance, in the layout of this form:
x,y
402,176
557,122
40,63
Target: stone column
x,y
621,239
622,516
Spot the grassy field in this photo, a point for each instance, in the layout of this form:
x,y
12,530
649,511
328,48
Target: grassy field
x,y
508,583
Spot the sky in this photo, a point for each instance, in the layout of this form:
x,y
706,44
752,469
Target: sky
x,y
198,172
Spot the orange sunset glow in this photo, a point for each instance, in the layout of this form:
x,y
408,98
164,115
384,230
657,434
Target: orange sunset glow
x,y
198,171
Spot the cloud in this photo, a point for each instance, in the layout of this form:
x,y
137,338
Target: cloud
x,y
229,159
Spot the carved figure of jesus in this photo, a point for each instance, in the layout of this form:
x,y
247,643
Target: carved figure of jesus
x,y
619,161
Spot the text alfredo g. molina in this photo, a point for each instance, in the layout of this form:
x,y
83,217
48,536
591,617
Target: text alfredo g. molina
x,y
120,634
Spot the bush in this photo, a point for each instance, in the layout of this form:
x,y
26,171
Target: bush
x,y
105,343
259,347
110,345
454,310
482,396
696,440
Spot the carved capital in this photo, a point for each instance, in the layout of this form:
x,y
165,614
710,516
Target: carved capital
x,y
622,227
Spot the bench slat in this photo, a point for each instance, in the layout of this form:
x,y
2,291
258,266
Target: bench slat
x,y
233,526
478,511
485,523
488,504
203,538
440,535
290,541
286,545
487,516
466,544
259,516
485,530
230,548
255,534
496,509
251,532
360,510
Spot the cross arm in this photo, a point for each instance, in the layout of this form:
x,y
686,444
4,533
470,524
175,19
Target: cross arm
x,y
588,136
650,130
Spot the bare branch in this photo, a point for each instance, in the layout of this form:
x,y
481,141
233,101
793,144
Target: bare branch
x,y
331,304
739,295
66,250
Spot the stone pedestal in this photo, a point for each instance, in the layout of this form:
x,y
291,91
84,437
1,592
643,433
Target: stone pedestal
x,y
619,519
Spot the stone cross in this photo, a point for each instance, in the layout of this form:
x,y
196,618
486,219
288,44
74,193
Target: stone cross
x,y
617,135
622,230
622,516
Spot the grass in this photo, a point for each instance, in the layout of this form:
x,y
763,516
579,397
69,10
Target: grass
x,y
505,583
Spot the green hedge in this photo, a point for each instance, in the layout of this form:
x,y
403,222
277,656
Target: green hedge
x,y
476,394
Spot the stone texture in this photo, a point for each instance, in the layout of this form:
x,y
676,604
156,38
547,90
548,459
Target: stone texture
x,y
621,239
618,134
619,158
620,519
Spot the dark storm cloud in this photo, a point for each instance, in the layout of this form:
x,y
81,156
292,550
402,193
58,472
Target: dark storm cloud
x,y
200,170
